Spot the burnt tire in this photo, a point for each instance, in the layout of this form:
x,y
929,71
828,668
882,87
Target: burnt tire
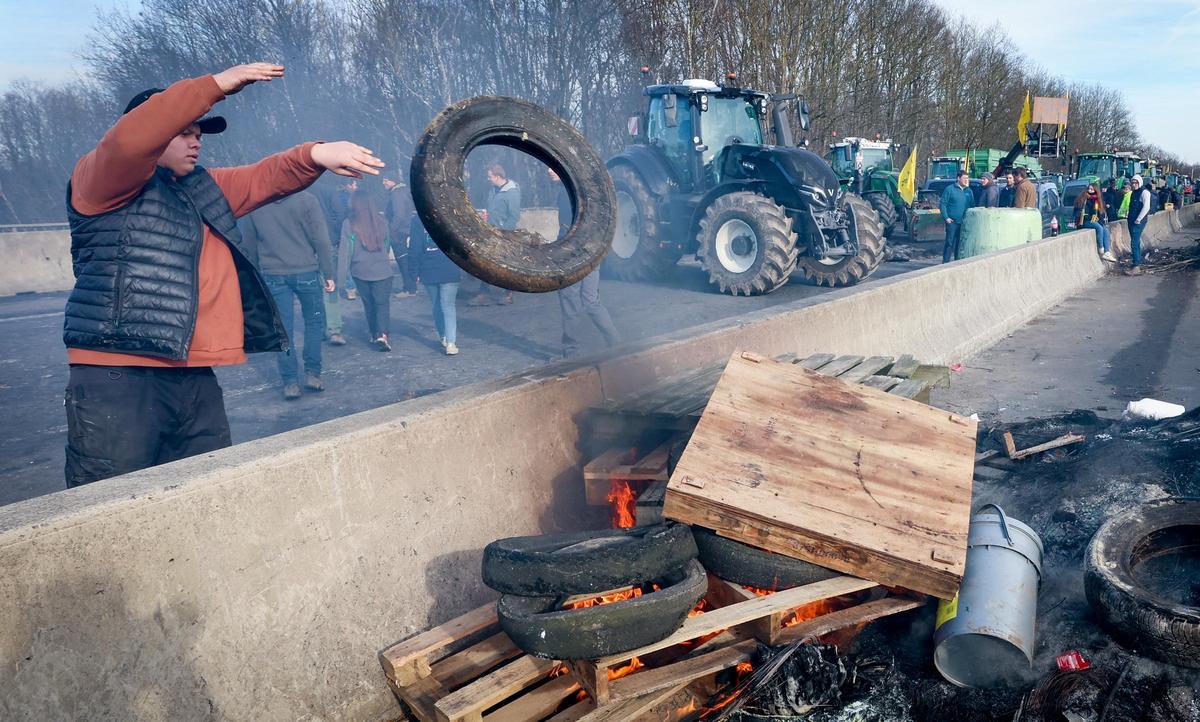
x,y
741,563
586,562
1140,618
850,270
884,209
514,259
638,252
537,627
746,244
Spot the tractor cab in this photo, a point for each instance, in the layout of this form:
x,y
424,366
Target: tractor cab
x,y
868,168
945,167
692,122
858,157
1129,164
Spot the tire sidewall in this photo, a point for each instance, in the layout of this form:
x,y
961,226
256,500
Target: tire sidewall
x,y
708,242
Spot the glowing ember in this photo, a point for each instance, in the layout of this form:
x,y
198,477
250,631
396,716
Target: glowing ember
x,y
558,671
624,503
812,610
744,668
634,665
687,709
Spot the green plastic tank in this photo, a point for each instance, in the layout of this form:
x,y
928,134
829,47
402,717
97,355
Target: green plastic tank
x,y
993,229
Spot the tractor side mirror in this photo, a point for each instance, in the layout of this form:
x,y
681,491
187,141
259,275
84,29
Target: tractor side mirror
x,y
805,118
670,110
634,125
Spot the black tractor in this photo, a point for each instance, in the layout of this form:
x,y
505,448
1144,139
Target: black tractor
x,y
700,178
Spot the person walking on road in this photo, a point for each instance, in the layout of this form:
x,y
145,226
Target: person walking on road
x,y
583,297
1139,211
1090,212
503,210
956,200
990,192
440,276
399,209
296,260
165,287
365,245
1024,194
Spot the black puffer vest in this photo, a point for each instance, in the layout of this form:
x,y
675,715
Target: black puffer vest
x,y
137,272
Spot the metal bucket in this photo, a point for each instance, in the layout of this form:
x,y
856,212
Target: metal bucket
x,y
984,636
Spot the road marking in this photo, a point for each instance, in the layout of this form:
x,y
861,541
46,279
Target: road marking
x,y
31,317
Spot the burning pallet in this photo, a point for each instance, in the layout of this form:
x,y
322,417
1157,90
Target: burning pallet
x,y
466,669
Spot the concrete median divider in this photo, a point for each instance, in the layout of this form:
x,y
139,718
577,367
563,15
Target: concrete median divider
x,y
261,581
35,262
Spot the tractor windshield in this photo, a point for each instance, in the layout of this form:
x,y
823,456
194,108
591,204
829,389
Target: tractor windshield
x,y
943,168
1102,168
842,159
729,121
877,158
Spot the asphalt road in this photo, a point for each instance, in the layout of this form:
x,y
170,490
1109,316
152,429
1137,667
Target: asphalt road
x,y
495,341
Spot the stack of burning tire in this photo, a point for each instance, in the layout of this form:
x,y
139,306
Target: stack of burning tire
x,y
592,594
552,587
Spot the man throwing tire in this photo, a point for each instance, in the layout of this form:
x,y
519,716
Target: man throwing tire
x,y
165,288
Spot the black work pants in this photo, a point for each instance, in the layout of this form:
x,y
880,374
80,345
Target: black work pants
x,y
377,305
124,418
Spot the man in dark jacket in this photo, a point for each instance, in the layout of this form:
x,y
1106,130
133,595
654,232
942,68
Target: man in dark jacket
x,y
296,259
1006,193
583,297
398,211
165,287
956,200
503,210
1112,200
1140,202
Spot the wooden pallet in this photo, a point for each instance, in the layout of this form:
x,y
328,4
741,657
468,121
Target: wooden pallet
x,y
775,629
719,653
622,464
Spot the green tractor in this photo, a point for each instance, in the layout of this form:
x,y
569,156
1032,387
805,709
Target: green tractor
x,y
867,168
700,177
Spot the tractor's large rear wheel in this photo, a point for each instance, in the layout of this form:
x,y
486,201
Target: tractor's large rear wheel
x,y
886,210
637,252
747,244
849,270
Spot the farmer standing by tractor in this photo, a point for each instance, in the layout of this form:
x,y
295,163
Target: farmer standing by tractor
x,y
165,288
956,200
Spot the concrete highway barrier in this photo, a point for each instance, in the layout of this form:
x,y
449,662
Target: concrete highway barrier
x,y
261,581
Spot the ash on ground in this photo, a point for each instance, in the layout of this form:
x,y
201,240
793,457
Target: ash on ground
x,y
887,674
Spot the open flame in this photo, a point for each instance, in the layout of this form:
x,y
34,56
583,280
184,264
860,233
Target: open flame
x,y
605,599
804,613
624,504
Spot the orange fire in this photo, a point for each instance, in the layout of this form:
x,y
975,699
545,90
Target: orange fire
x,y
687,709
744,668
624,504
634,665
804,613
605,599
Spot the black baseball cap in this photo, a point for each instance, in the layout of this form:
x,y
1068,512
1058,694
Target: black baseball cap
x,y
208,126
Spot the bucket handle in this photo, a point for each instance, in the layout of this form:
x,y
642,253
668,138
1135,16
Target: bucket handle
x,y
1003,521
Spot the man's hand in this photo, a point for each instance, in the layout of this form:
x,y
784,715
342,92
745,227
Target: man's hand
x,y
239,76
346,158
330,286
949,221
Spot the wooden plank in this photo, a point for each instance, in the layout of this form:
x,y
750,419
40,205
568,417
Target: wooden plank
x,y
600,471
692,668
843,618
985,455
840,365
1010,446
736,614
838,474
650,504
410,660
475,661
816,361
909,388
654,464
624,711
904,367
1064,440
420,696
536,704
883,383
469,702
868,367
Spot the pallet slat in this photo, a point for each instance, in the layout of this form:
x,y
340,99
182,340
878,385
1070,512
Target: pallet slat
x,y
467,704
843,618
868,367
410,660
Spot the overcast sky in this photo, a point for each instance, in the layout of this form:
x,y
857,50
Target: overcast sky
x,y
1150,51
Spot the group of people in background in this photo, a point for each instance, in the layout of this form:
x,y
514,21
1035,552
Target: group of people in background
x,y
958,198
317,251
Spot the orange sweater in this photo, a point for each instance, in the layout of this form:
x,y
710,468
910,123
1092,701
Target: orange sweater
x,y
114,173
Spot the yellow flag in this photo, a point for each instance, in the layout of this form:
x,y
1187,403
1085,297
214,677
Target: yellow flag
x,y
907,183
1023,121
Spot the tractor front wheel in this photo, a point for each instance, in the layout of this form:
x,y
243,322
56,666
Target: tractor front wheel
x,y
849,270
746,244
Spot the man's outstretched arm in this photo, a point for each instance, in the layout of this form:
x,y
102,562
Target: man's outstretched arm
x,y
249,186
